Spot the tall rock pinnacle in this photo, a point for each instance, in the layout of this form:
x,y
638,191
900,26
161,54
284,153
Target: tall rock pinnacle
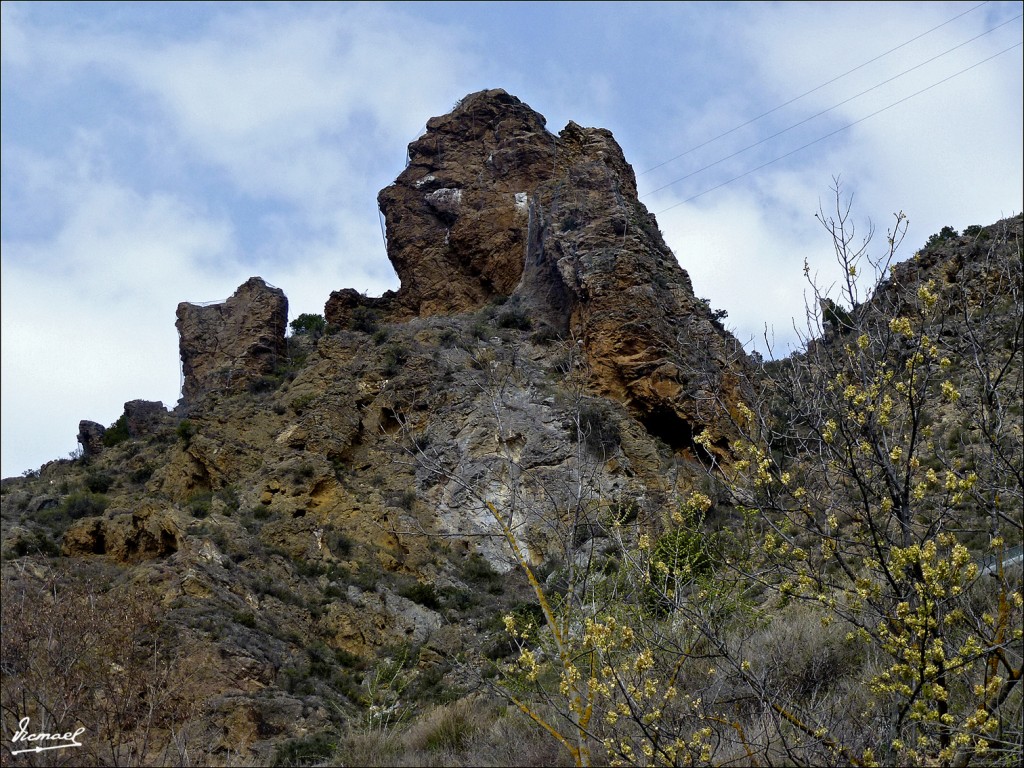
x,y
226,347
492,204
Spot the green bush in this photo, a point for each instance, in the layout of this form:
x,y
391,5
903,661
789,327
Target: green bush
x,y
684,552
515,318
98,482
142,474
407,499
421,593
313,325
117,432
299,404
395,356
309,750
451,734
448,337
244,618
338,543
264,384
38,543
185,431
476,570
229,495
946,233
363,319
599,431
74,507
570,221
480,330
199,504
545,334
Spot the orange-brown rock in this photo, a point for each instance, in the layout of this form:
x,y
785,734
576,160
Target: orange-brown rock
x,y
125,536
492,204
227,346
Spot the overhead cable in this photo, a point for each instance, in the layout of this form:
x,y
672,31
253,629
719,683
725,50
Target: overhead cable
x,y
825,111
838,130
808,93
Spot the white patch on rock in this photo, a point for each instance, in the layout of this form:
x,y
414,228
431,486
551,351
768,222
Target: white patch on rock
x,y
208,551
445,200
284,436
521,204
425,180
402,617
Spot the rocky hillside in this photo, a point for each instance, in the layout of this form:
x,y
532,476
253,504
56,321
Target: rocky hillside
x,y
321,496
323,535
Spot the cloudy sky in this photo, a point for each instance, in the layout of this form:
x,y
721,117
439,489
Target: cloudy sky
x,y
154,153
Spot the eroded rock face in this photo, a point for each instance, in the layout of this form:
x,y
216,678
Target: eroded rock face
x,y
457,217
124,536
143,417
90,437
225,347
650,343
493,204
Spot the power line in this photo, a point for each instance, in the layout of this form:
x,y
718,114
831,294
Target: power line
x,y
817,88
825,111
839,130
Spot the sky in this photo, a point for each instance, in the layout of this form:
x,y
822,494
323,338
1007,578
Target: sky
x,y
154,153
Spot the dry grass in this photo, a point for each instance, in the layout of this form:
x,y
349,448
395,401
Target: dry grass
x,y
474,731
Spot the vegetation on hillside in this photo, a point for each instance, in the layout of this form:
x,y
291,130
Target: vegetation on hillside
x,y
844,589
861,603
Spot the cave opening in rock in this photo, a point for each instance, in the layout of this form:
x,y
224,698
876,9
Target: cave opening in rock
x,y
666,424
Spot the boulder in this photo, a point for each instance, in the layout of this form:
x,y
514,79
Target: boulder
x,y
124,536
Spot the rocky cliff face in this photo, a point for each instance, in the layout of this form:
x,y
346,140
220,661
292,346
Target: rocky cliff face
x,y
493,205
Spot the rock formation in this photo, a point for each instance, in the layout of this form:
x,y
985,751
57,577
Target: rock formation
x,y
90,437
124,536
143,417
225,347
492,205
309,544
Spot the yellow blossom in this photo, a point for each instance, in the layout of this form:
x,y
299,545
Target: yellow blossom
x,y
924,293
901,325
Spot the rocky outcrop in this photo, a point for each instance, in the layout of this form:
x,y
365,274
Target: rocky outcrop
x,y
226,347
90,437
144,417
124,536
491,204
969,260
595,250
457,217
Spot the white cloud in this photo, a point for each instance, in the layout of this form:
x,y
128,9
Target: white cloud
x,y
88,314
271,96
932,157
746,262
